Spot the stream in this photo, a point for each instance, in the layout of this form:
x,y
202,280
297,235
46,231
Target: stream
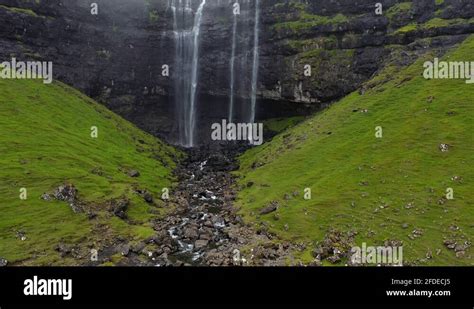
x,y
205,229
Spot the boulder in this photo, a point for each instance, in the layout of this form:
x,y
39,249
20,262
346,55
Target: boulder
x,y
201,243
66,193
134,173
119,207
148,197
273,206
3,262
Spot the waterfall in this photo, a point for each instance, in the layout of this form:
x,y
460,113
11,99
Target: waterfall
x,y
232,66
187,30
255,62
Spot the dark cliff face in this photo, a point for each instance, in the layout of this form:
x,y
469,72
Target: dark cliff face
x,y
117,56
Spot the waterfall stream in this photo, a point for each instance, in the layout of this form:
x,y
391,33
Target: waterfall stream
x,y
255,62
232,66
187,31
243,79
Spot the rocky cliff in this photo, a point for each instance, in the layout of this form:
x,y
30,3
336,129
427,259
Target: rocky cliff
x,y
117,56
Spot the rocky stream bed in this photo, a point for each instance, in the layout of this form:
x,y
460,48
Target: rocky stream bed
x,y
205,229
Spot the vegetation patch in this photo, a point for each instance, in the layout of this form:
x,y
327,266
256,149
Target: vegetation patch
x,y
385,189
47,142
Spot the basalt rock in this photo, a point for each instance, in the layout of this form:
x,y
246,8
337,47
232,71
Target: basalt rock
x,y
66,193
273,206
117,57
335,246
3,262
119,208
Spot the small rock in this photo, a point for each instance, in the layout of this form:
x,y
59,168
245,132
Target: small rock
x,y
460,254
269,209
417,233
239,220
134,173
456,178
393,243
148,197
63,249
450,243
3,262
334,259
205,236
46,197
76,207
199,244
119,207
190,233
65,193
138,247
125,250
21,235
444,147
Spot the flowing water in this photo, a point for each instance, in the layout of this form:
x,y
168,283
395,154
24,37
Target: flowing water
x,y
187,28
187,32
255,61
232,66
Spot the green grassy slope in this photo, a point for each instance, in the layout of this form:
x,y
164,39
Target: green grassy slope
x,y
375,186
46,141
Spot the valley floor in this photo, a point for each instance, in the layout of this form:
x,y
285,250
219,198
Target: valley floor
x,y
304,198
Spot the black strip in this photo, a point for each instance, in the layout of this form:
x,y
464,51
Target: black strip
x,y
238,285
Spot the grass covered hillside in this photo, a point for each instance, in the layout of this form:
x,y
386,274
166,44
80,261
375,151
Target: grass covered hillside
x,y
391,188
48,140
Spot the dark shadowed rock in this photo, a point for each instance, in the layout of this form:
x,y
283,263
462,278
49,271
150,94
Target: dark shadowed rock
x,y
148,197
273,206
134,173
119,208
65,193
117,66
201,243
191,233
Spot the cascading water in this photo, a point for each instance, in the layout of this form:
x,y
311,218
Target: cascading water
x,y
187,30
232,66
255,62
187,20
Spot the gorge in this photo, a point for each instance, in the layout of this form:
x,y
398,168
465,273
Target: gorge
x,y
221,63
312,78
